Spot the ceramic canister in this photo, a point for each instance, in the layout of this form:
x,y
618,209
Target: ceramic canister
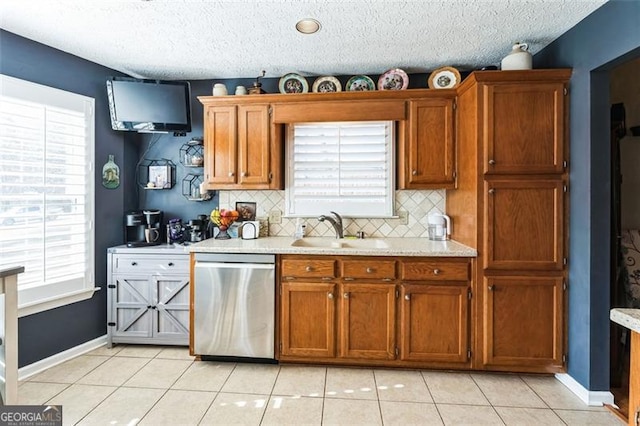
x,y
219,89
518,59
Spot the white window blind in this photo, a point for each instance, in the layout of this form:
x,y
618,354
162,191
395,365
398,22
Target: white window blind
x,y
46,192
342,166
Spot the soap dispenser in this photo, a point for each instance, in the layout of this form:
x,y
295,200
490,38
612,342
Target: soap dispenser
x,y
300,229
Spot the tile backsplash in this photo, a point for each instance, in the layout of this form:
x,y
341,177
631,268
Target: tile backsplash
x,y
412,208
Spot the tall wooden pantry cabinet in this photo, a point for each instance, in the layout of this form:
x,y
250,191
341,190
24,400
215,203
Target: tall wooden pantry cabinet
x,y
512,160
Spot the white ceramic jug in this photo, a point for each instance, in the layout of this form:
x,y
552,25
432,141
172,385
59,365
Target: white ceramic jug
x,y
219,89
518,59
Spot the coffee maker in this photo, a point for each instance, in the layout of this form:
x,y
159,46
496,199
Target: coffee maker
x,y
143,228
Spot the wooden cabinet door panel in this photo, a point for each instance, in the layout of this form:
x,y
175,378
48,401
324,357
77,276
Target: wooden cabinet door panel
x,y
434,323
308,319
253,144
524,128
524,224
172,306
131,307
429,147
220,145
367,326
523,319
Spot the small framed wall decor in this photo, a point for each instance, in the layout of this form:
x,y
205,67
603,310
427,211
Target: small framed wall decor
x,y
246,210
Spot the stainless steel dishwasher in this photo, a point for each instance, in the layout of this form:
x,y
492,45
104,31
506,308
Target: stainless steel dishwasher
x,y
234,305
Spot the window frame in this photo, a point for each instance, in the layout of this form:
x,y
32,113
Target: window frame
x,y
389,204
38,298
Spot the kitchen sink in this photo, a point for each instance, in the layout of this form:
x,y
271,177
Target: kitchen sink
x,y
367,243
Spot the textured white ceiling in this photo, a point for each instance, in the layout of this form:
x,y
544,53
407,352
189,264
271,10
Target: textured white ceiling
x,y
200,39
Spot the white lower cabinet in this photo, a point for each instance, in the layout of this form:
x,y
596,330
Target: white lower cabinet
x,y
148,296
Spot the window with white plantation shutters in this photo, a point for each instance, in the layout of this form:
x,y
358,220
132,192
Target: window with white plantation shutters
x,y
46,193
346,167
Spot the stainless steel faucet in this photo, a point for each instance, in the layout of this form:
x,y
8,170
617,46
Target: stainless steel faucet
x,y
335,222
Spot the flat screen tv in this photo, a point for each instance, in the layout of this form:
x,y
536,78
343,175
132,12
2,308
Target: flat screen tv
x,y
149,105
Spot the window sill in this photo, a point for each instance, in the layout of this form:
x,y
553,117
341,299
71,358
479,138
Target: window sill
x,y
55,302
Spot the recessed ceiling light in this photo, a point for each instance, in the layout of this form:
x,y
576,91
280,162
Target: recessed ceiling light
x,y
308,26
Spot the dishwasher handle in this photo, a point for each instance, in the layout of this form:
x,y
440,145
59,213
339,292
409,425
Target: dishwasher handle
x,y
218,265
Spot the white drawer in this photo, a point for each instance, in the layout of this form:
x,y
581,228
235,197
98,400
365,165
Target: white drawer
x,y
150,263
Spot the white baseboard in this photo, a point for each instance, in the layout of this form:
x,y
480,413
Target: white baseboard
x,y
38,366
592,398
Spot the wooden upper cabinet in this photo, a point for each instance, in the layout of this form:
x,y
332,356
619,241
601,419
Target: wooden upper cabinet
x,y
426,151
523,322
253,144
220,145
524,127
524,224
242,147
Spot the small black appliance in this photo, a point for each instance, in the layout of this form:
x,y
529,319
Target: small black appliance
x,y
142,228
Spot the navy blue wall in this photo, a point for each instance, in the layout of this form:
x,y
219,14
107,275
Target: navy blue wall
x,y
47,333
608,37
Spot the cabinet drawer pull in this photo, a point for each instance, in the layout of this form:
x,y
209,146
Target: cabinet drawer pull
x,y
289,278
230,174
308,268
436,271
407,297
370,270
387,279
327,278
170,263
492,162
491,287
330,295
345,295
134,263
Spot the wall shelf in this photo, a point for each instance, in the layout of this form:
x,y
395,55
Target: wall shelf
x,y
156,174
191,188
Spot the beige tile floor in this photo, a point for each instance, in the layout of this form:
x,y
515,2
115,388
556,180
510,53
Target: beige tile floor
x,y
151,385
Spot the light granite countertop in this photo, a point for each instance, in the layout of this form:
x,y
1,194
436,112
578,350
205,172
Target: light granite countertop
x,y
331,246
626,317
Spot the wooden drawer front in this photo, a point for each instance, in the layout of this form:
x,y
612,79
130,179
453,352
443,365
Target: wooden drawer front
x,y
139,263
308,268
374,269
434,270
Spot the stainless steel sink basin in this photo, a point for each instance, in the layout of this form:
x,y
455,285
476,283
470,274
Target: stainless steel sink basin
x,y
366,243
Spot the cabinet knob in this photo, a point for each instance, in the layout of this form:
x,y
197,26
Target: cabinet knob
x,y
407,297
492,191
492,162
436,271
345,295
230,174
491,287
308,268
134,263
636,418
414,172
369,270
243,174
330,295
170,263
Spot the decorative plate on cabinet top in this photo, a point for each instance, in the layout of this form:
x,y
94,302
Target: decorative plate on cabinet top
x,y
326,84
444,78
293,83
360,83
393,79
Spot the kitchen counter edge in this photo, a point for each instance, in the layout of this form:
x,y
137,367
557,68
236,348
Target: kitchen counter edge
x,y
626,317
282,245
